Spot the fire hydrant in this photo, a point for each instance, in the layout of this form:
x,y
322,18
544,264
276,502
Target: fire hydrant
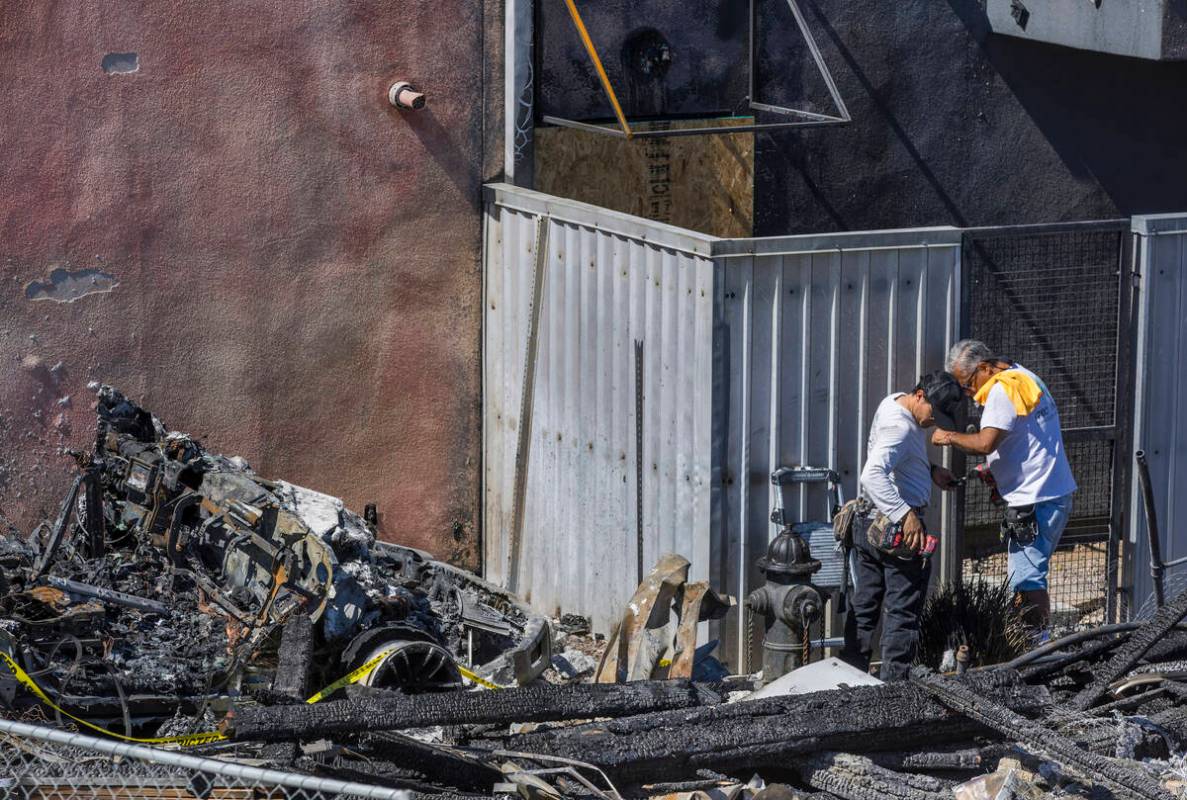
x,y
788,602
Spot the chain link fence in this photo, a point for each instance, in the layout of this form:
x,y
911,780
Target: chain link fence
x,y
43,763
1051,297
1078,566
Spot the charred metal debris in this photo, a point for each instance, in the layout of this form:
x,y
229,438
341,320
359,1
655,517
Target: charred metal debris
x,y
180,599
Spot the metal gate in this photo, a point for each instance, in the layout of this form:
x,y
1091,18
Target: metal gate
x,y
1056,298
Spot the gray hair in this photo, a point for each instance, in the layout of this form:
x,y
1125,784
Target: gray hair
x,y
966,354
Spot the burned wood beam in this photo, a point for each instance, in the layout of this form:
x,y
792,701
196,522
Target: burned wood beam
x,y
769,732
1128,655
854,777
1120,738
1128,704
369,771
969,758
281,754
295,659
1119,779
536,703
1172,647
443,766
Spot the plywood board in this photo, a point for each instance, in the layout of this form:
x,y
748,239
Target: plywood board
x,y
704,183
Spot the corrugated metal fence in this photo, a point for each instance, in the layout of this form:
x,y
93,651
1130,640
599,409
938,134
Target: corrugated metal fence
x,y
1160,414
816,332
755,353
569,290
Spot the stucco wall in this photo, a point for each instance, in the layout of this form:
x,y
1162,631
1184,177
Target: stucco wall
x,y
951,124
297,262
955,125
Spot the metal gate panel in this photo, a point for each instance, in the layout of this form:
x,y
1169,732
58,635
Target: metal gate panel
x,y
1053,298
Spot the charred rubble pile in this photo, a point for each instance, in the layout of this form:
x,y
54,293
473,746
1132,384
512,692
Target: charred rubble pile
x,y
178,592
173,578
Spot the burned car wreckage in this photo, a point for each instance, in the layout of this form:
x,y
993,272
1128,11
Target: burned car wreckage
x,y
172,574
181,600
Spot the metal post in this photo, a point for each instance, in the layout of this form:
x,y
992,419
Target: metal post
x,y
1124,441
524,443
639,458
519,92
1156,565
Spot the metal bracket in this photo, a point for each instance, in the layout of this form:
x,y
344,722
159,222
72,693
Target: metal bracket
x,y
524,440
1020,13
804,119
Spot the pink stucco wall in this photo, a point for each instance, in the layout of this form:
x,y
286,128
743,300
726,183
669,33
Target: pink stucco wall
x,y
297,262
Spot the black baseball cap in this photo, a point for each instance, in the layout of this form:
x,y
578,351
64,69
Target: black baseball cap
x,y
945,396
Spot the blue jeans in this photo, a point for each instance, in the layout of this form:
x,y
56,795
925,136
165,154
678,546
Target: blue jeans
x,y
1029,563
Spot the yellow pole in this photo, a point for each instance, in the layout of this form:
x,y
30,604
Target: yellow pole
x,y
597,62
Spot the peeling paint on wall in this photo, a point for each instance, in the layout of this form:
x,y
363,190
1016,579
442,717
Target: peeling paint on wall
x,y
66,286
121,63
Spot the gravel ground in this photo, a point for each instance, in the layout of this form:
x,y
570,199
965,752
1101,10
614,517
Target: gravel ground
x,y
1076,582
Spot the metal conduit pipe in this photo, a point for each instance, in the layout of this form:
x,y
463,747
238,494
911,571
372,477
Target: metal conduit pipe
x,y
1070,639
1066,641
1156,565
1052,647
403,94
211,766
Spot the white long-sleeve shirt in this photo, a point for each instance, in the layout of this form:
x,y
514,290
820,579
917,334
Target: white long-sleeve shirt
x,y
897,474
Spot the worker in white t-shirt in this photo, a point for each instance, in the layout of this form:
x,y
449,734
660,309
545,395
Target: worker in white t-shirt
x,y
1021,437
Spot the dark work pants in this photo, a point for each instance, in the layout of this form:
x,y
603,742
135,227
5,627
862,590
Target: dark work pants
x,y
894,589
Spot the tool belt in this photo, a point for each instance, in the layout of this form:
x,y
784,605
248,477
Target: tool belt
x,y
846,520
1020,525
859,518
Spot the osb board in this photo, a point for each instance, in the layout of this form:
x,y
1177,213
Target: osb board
x,y
704,183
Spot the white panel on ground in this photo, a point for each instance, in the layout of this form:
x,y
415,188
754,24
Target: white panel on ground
x,y
820,676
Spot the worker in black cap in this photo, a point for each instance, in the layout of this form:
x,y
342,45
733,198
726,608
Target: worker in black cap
x,y
890,547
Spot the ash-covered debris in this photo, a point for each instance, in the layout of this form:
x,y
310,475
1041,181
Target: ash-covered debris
x,y
178,592
171,572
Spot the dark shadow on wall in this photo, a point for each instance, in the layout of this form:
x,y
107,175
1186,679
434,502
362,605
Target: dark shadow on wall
x,y
440,142
1122,121
954,125
874,172
885,113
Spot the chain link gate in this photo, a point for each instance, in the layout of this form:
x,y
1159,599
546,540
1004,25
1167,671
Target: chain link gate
x,y
1056,298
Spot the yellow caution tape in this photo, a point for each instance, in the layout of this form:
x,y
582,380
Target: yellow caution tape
x,y
366,669
470,676
194,739
354,676
189,740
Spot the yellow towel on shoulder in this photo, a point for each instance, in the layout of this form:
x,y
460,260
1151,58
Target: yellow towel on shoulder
x,y
1022,390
